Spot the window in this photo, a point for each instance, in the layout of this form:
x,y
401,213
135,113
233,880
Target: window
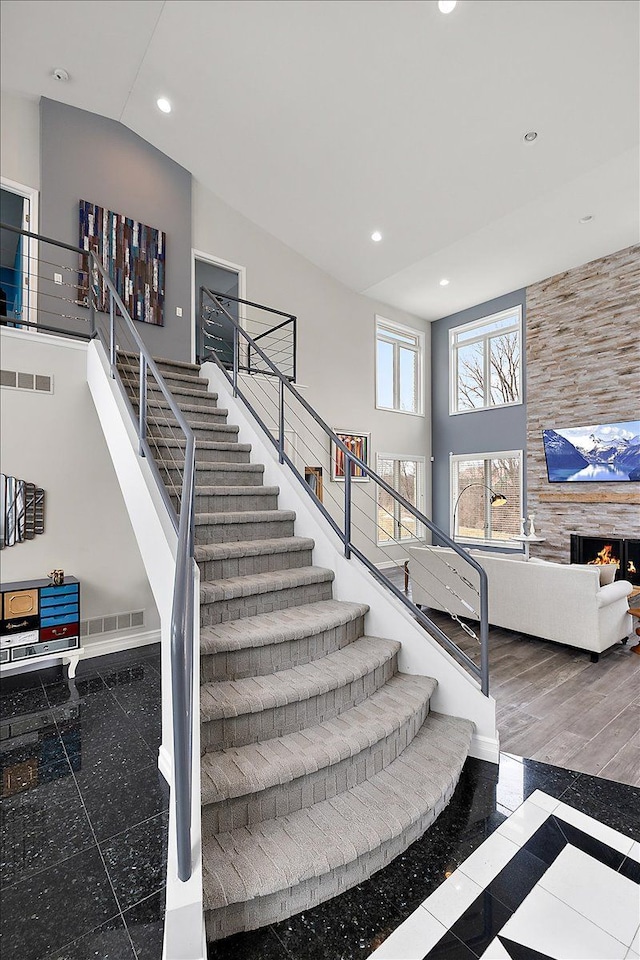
x,y
486,362
406,475
399,365
476,519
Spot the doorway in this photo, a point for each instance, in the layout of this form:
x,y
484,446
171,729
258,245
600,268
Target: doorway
x,y
224,278
18,254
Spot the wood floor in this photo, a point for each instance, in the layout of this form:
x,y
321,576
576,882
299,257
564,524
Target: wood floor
x,y
554,705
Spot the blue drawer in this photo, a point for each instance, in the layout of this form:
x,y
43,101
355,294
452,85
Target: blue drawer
x,y
52,621
60,591
70,606
58,601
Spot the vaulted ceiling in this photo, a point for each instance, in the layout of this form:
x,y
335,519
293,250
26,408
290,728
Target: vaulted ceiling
x,y
324,120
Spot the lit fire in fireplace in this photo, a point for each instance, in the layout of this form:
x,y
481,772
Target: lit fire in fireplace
x,y
631,567
605,556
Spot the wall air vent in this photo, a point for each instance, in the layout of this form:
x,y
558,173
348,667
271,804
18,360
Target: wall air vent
x,y
112,623
17,380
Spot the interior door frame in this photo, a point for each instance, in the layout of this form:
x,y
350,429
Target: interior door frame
x,y
30,251
226,265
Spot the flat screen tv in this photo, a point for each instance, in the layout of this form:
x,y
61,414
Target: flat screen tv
x,y
600,452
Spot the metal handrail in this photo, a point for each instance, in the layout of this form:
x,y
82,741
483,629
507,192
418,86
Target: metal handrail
x,y
482,671
290,320
182,607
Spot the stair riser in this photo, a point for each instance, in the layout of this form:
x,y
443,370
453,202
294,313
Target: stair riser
x,y
278,721
229,503
261,661
283,799
172,378
248,566
186,397
218,434
233,532
235,454
212,415
262,911
222,611
226,477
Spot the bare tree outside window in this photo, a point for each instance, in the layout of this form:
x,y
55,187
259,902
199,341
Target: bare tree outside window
x,y
486,363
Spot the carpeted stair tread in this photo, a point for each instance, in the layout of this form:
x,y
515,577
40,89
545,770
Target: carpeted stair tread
x,y
244,516
251,548
204,409
277,855
254,767
280,626
213,591
233,698
230,490
185,391
222,445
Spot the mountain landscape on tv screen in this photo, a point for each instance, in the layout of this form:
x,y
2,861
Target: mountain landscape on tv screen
x,y
609,451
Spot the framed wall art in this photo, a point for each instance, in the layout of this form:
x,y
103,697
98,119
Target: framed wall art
x,y
356,443
132,253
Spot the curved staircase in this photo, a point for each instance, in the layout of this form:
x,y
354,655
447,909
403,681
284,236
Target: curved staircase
x,y
321,762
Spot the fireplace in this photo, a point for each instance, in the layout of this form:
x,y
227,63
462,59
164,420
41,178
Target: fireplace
x,y
622,551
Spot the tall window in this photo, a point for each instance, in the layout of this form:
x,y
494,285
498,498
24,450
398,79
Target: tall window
x,y
406,475
476,518
399,366
486,362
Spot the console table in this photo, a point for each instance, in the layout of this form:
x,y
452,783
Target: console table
x,y
40,619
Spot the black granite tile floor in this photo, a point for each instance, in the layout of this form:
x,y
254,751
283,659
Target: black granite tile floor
x,y
83,812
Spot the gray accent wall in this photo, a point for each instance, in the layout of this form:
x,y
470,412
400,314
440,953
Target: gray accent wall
x,y
480,431
85,156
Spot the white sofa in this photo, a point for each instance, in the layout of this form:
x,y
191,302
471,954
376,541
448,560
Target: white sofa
x,y
555,601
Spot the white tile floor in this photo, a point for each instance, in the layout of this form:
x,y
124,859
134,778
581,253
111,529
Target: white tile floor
x,y
580,908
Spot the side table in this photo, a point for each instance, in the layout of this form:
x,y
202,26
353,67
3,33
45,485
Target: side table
x,y
527,541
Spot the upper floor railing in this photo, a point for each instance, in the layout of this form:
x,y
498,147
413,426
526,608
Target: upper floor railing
x,y
62,289
372,519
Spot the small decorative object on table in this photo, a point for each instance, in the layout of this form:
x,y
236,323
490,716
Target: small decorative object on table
x,y
57,576
523,521
532,529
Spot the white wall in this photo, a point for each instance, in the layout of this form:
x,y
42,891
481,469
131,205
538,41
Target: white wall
x,y
336,337
20,139
55,441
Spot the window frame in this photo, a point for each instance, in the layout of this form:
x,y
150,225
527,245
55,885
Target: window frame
x,y
486,456
421,488
403,330
454,347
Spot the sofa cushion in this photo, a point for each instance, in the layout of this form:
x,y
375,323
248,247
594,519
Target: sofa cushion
x,y
607,571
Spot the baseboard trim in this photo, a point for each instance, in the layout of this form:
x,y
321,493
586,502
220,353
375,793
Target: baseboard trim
x,y
102,647
165,764
485,748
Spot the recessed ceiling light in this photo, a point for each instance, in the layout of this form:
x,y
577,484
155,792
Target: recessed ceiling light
x,y
446,6
444,282
530,137
60,74
376,236
586,219
164,105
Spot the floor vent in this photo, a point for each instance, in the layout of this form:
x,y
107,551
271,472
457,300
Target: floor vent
x,y
112,623
17,380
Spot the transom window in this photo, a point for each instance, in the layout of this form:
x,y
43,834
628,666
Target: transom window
x,y
486,362
475,479
399,365
406,475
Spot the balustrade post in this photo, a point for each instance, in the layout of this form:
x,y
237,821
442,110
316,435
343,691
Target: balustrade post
x,y
281,423
236,348
142,425
347,506
112,335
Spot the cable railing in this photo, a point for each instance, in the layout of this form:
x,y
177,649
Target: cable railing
x,y
52,292
277,338
372,519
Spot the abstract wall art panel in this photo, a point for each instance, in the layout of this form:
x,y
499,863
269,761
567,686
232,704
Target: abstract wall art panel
x,y
134,256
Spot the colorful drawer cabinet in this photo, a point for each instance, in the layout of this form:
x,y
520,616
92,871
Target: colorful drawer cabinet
x,y
40,620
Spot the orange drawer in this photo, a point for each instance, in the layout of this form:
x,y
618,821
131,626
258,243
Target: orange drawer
x,y
20,603
62,630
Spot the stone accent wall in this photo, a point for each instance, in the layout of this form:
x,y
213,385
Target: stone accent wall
x,y
583,367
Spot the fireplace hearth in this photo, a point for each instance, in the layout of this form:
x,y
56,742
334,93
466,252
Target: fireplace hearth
x,y
622,551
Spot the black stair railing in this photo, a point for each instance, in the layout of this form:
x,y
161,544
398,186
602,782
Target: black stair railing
x,y
272,410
